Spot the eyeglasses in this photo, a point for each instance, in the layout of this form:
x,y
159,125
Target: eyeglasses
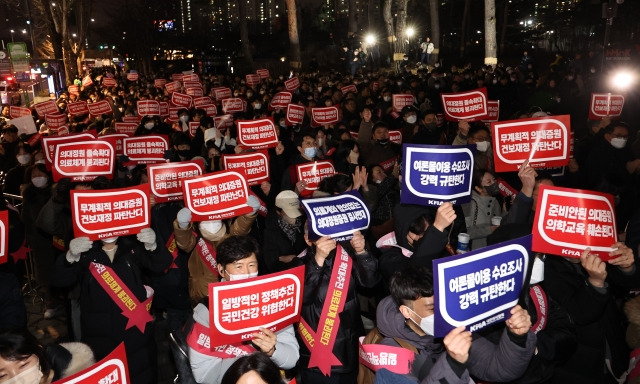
x,y
481,138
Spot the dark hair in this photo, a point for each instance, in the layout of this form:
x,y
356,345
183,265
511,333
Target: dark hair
x,y
235,248
300,138
337,183
40,167
609,128
475,128
344,149
180,138
20,345
379,124
478,174
411,283
258,362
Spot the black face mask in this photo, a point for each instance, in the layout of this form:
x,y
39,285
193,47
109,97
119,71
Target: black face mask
x,y
184,152
383,142
493,189
431,127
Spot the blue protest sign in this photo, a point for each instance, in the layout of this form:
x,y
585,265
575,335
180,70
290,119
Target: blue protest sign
x,y
336,216
434,174
479,288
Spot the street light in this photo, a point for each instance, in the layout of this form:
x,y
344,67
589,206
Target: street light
x,y
410,32
12,31
370,39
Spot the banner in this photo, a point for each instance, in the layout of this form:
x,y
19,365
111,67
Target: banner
x,y
292,84
493,111
252,79
312,173
78,108
190,77
166,179
240,308
544,141
113,369
4,236
116,141
132,76
191,84
15,112
132,119
209,109
263,73
399,101
223,122
100,108
146,149
84,160
295,114
159,83
325,115
194,92
216,196
181,100
198,102
108,82
173,87
234,104
471,105
106,213
505,189
148,108
605,104
377,356
49,143
479,288
177,76
338,216
257,134
221,93
434,174
55,121
126,128
254,166
569,220
46,107
280,100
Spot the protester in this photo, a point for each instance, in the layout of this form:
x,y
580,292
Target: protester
x,y
256,368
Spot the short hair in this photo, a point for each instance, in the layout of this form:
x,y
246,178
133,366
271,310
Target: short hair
x,y
180,138
337,183
477,176
475,128
411,283
611,127
258,362
379,124
20,345
235,248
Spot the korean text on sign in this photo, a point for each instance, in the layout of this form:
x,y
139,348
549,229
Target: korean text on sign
x,y
337,216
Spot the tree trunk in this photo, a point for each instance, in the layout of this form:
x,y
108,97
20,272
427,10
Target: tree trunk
x,y
463,29
505,20
435,28
244,34
402,41
388,25
353,17
490,44
294,39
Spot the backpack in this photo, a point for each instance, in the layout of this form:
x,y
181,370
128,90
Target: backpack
x,y
365,374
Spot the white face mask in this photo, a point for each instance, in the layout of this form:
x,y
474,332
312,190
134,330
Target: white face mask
x,y
24,159
482,146
184,118
257,106
31,375
537,272
426,323
283,124
241,276
412,119
618,142
40,181
320,142
149,125
386,98
110,240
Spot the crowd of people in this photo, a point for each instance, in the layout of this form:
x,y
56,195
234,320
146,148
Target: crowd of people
x,y
582,335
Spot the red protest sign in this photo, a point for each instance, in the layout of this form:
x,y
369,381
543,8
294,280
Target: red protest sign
x,y
64,130
280,100
295,114
190,77
192,84
132,76
177,76
113,369
159,83
132,119
146,149
194,92
126,128
209,109
505,189
254,166
148,107
15,112
223,122
216,196
173,114
193,128
46,107
493,111
181,100
543,141
202,100
74,90
116,140
49,143
164,108
252,79
395,137
257,134
84,160
78,108
86,81
569,220
292,84
349,88
312,173
471,105
55,121
605,104
109,213
263,73
173,86
4,236
166,179
325,115
220,93
100,108
108,82
400,101
234,104
241,308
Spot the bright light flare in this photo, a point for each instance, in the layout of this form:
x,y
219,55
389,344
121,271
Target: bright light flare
x,y
370,39
410,31
622,80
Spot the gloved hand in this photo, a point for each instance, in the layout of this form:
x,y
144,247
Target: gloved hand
x,y
184,217
254,203
148,237
78,246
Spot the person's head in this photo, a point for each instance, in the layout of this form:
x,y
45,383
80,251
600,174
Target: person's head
x,y
480,136
409,114
412,290
617,134
336,184
349,150
10,133
38,176
256,368
430,119
307,146
381,133
23,153
183,115
22,359
377,174
288,206
237,257
181,143
321,136
485,182
541,179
